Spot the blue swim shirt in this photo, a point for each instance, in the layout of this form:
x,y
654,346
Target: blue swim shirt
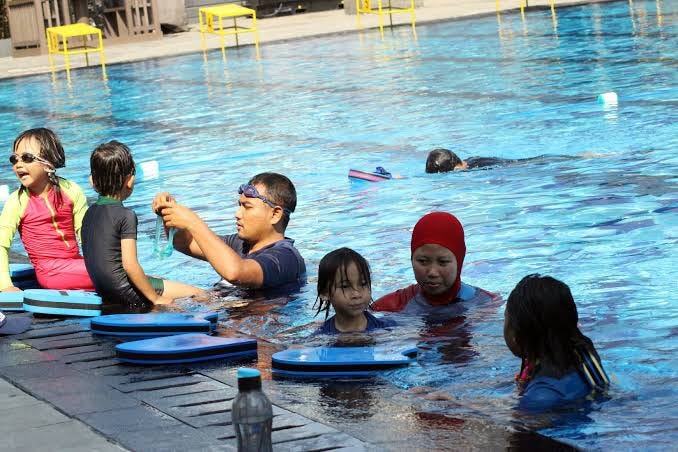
x,y
373,323
281,262
546,393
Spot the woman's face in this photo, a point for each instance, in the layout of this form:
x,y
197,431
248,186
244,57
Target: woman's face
x,y
435,268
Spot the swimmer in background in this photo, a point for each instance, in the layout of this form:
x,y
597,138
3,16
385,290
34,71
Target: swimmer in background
x,y
345,284
443,161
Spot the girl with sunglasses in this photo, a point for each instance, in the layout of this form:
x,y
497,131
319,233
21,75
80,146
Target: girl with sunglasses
x,y
47,210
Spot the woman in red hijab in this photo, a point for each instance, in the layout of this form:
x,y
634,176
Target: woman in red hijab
x,y
438,252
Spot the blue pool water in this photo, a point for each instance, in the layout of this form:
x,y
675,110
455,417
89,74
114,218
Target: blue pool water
x,y
604,221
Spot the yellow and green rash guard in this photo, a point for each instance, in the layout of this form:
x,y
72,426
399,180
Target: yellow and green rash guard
x,y
47,228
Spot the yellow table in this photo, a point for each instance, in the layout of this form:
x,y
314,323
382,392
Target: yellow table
x,y
365,7
212,21
57,42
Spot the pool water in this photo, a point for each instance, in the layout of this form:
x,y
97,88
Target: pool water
x,y
603,219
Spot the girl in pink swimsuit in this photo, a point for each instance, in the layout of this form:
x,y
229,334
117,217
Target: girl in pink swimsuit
x,y
47,211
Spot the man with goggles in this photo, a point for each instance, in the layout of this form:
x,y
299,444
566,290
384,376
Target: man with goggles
x,y
258,255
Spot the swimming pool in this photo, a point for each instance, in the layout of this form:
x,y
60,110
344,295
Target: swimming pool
x,y
312,109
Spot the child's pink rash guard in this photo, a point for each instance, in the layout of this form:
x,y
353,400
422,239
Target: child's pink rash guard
x,y
49,236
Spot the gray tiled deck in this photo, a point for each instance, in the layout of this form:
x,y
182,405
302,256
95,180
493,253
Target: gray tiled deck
x,y
139,408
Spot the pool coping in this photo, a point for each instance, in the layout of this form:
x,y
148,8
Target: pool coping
x,y
37,65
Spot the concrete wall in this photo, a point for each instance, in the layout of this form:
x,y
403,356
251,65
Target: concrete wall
x,y
172,12
5,47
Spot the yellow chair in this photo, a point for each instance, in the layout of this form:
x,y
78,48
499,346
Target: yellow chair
x,y
212,21
57,42
365,7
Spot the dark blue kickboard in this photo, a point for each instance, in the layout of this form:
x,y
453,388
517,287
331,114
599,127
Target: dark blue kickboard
x,y
185,348
11,301
21,271
339,361
154,325
62,302
23,276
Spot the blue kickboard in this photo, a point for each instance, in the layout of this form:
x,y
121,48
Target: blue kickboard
x,y
185,348
154,325
62,302
11,301
339,361
21,271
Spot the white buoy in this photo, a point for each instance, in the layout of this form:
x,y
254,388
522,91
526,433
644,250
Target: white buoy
x,y
610,99
148,170
4,193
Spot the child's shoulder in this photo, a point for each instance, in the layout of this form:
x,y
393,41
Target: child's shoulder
x,y
548,392
17,200
70,187
374,322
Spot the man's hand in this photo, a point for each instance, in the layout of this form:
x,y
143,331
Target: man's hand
x,y
162,200
179,217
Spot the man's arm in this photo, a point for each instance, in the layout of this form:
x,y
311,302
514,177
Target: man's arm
x,y
184,243
226,262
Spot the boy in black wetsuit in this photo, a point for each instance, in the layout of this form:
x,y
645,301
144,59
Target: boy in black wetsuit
x,y
109,237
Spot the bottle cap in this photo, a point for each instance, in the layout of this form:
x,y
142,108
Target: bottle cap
x,y
248,379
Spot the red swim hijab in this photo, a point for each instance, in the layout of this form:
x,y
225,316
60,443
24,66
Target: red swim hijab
x,y
442,228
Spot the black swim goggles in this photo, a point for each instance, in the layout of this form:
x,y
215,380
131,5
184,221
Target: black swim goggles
x,y
27,157
250,191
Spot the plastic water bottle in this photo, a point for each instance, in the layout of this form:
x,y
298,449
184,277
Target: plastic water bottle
x,y
252,414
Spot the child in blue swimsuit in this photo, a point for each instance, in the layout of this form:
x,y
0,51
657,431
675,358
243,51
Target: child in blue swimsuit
x,y
560,365
344,283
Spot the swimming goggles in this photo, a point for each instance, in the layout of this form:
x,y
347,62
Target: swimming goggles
x,y
158,250
27,157
250,191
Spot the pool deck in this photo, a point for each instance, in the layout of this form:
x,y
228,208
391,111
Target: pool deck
x,y
271,30
61,388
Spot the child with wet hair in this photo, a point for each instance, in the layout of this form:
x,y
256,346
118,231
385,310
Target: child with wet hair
x,y
559,364
109,234
47,210
345,284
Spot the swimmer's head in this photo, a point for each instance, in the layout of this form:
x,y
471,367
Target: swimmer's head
x,y
438,250
540,322
279,190
442,161
48,147
344,282
112,170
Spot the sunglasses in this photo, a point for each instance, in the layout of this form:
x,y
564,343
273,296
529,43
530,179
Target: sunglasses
x,y
250,191
26,157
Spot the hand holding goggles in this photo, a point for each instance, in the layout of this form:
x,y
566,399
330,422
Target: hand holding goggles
x,y
250,191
